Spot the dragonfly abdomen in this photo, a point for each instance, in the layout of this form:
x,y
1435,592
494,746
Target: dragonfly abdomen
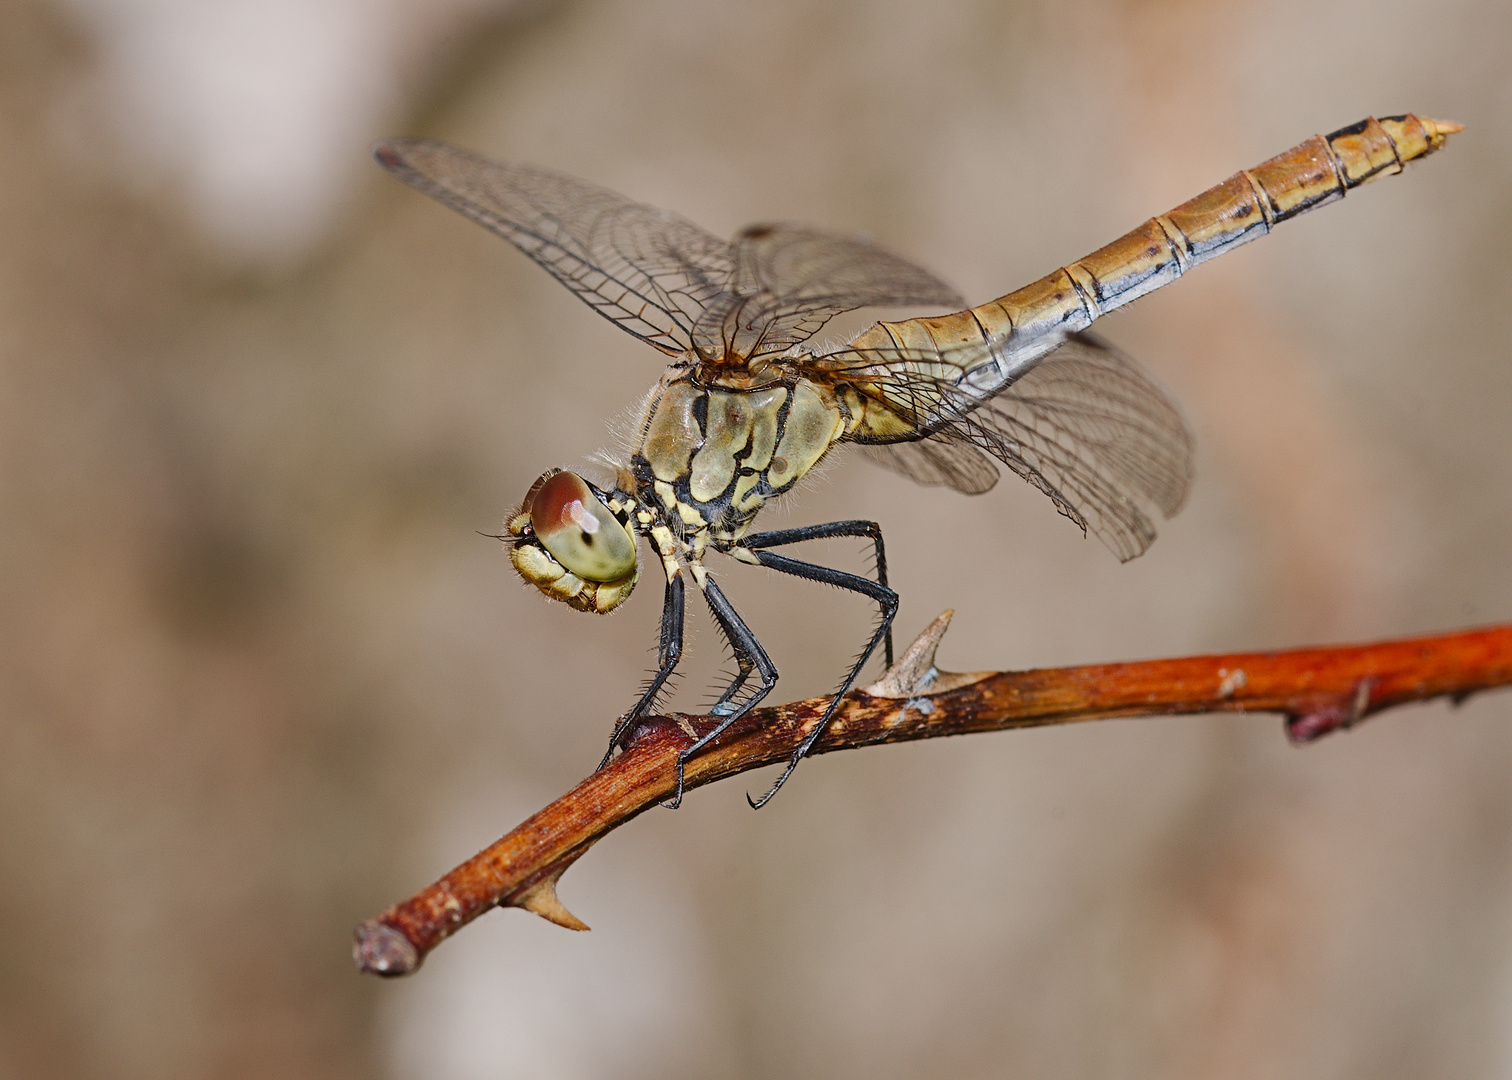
x,y
1028,323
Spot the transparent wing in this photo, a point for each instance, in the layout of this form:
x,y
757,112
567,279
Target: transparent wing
x,y
647,270
1086,426
935,462
790,280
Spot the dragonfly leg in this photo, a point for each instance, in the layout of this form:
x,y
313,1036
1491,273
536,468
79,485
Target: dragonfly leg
x,y
723,706
887,601
745,661
750,656
668,652
869,529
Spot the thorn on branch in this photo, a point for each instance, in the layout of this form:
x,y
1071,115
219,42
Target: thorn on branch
x,y
915,674
541,898
1331,714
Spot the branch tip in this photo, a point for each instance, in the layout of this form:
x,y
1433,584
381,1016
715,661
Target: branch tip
x,y
379,949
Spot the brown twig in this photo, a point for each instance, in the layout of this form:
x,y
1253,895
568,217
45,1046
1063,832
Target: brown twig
x,y
1318,690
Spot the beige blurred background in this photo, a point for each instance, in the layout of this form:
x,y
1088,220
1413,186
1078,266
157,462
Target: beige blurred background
x,y
260,677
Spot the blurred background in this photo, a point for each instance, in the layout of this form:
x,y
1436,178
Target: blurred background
x,y
260,677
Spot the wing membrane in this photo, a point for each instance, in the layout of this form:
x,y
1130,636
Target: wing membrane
x,y
1085,425
790,280
657,275
649,271
936,462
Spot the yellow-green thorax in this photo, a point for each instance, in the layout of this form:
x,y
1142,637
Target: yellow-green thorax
x,y
713,455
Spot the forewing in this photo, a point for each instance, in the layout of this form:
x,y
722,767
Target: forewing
x,y
647,270
1086,426
790,280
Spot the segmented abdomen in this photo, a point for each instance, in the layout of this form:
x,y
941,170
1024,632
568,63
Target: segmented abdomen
x,y
1024,325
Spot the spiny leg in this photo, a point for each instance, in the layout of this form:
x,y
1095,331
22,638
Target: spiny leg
x,y
886,599
749,655
870,529
723,704
668,652
745,664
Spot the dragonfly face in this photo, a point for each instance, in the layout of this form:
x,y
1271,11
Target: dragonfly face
x,y
574,544
745,410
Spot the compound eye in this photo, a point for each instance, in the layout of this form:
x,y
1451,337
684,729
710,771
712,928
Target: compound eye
x,y
578,529
535,487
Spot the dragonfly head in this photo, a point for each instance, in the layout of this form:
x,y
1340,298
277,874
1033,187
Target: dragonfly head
x,y
570,543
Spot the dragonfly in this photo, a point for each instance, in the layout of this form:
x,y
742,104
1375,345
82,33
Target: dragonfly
x,y
746,408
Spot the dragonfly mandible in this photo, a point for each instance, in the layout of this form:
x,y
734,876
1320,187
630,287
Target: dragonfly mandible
x,y
745,410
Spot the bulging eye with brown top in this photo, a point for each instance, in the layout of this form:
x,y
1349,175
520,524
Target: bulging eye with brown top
x,y
579,531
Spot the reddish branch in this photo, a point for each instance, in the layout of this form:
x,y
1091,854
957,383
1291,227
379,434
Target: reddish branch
x,y
1317,690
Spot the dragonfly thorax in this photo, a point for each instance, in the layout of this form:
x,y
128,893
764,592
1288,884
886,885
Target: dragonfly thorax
x,y
711,455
